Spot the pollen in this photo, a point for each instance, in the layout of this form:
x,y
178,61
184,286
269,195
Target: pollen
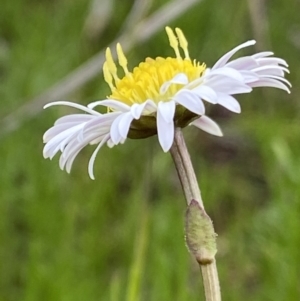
x,y
145,81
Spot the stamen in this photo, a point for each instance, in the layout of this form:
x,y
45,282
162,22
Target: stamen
x,y
107,76
173,41
111,66
183,42
146,80
122,58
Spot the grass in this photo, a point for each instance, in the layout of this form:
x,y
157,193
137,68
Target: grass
x,y
65,237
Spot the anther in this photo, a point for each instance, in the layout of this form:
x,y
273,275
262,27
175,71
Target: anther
x,y
111,66
173,41
122,58
107,76
182,42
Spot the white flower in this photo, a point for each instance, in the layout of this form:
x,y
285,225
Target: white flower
x,y
167,92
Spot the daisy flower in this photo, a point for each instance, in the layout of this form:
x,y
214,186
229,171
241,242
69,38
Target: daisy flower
x,y
159,95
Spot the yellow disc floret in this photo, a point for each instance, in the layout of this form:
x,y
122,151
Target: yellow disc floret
x,y
145,81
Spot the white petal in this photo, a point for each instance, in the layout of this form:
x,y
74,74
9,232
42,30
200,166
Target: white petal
x,y
56,130
104,119
271,70
165,124
279,78
229,72
179,78
63,145
124,124
97,127
270,82
262,54
72,148
114,130
150,107
272,61
166,110
229,103
191,101
224,59
206,93
94,104
67,162
69,154
243,63
74,118
249,76
208,125
57,140
111,103
73,105
197,82
73,132
98,124
227,85
110,144
93,157
96,141
137,109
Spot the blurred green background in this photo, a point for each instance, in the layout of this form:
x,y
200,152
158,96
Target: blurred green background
x,y
120,237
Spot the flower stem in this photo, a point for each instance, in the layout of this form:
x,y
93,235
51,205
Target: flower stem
x,y
191,191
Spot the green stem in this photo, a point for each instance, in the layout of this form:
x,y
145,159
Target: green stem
x,y
191,191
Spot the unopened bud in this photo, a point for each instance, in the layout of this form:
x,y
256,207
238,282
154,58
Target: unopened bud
x,y
200,234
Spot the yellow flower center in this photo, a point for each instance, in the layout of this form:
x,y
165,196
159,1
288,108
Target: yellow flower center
x,y
146,80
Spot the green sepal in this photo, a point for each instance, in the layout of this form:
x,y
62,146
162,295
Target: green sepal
x,y
146,126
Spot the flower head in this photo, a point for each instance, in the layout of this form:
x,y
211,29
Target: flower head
x,y
159,95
